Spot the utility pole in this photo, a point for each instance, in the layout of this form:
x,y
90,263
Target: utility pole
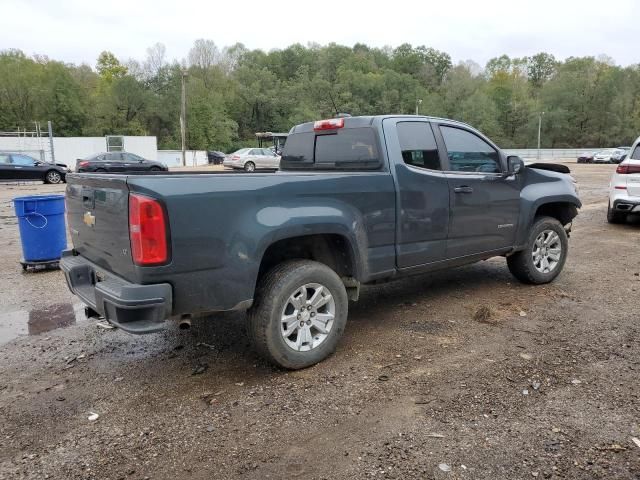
x,y
418,103
183,118
540,114
53,155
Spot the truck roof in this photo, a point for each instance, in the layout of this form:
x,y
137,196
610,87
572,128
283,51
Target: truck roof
x,y
367,120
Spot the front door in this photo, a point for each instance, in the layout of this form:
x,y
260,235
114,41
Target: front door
x,y
484,203
422,198
25,168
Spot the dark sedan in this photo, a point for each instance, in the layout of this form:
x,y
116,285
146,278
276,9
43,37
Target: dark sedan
x,y
17,166
118,162
586,158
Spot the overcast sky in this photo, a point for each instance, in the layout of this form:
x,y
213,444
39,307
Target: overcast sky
x,y
78,30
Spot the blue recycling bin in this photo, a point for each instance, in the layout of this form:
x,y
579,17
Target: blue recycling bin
x,y
42,227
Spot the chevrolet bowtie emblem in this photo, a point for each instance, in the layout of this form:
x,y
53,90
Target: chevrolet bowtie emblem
x,y
89,219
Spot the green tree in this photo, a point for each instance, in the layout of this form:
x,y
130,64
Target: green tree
x,y
109,67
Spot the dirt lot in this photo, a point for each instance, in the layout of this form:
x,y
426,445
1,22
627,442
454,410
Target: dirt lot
x,y
546,387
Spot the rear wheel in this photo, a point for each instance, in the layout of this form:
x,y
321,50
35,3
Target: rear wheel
x,y
249,167
615,217
155,169
299,314
100,170
544,256
53,176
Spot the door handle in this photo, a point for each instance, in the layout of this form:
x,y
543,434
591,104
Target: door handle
x,y
463,189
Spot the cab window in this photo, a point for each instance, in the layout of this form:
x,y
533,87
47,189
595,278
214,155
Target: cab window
x,y
418,145
469,153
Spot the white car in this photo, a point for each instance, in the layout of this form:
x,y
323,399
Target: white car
x,y
606,155
624,189
250,159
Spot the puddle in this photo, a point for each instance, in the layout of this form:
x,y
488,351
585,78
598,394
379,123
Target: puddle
x,y
37,321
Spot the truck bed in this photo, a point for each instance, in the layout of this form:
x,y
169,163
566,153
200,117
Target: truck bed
x,y
221,223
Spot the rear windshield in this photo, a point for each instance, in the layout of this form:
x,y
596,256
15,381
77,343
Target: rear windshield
x,y
349,148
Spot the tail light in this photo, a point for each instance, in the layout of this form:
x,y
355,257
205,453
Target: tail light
x,y
627,168
83,164
235,157
330,124
147,231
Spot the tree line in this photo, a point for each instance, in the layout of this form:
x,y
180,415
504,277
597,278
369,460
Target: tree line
x,y
233,92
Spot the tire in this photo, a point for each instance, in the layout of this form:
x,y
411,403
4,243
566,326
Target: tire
x,y
615,217
100,170
155,169
529,268
53,177
249,167
273,303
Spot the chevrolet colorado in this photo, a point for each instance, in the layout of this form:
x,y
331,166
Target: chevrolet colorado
x,y
357,200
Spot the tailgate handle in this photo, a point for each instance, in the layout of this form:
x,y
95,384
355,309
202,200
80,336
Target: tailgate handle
x,y
463,189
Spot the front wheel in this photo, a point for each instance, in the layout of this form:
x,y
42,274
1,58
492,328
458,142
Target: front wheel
x,y
299,314
53,176
249,166
545,254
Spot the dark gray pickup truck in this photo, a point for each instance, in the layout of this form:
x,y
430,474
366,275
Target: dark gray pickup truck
x,y
357,200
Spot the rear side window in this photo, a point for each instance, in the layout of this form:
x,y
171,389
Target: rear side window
x,y
636,153
298,152
469,153
418,145
347,148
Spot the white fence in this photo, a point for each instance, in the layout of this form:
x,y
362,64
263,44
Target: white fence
x,y
549,154
68,149
173,158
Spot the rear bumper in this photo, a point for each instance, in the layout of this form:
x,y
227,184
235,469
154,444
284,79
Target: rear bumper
x,y
133,308
627,205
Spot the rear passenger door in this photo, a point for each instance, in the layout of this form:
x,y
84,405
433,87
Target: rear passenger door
x,y
422,197
115,162
484,203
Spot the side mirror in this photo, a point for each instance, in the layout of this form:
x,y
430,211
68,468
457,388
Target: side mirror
x,y
514,164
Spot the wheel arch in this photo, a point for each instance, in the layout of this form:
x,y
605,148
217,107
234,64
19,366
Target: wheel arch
x,y
333,249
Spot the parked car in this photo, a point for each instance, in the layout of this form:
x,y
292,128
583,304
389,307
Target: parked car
x,y
358,200
118,162
605,156
620,154
624,188
17,166
586,157
251,159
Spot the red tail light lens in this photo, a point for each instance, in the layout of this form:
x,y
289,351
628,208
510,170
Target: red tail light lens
x,y
83,164
330,124
626,168
235,157
147,231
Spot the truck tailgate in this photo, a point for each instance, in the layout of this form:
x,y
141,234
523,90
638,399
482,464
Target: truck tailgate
x,y
98,217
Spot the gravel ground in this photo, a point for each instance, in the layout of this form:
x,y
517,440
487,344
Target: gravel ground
x,y
461,374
